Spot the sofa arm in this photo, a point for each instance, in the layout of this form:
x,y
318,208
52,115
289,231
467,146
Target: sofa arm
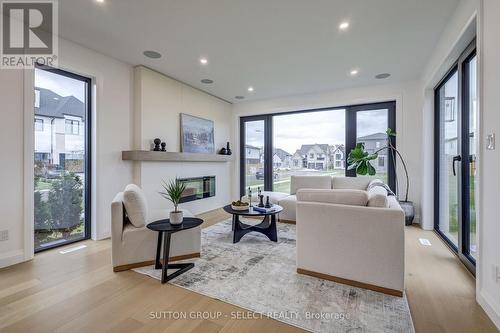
x,y
364,244
117,218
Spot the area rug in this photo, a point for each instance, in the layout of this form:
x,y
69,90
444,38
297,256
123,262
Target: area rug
x,y
259,275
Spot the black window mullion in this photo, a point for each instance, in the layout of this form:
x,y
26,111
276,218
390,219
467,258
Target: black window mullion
x,y
350,137
268,153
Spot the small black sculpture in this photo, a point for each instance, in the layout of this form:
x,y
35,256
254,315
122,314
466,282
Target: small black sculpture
x,y
157,144
261,202
163,146
228,149
268,204
223,151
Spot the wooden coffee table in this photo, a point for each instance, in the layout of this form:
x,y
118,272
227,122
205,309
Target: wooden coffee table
x,y
266,227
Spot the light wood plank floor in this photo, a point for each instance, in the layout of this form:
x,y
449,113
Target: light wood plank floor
x,y
78,292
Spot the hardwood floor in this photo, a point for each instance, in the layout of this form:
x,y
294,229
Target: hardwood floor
x,y
78,292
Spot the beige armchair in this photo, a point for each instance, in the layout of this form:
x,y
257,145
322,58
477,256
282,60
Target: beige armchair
x,y
136,246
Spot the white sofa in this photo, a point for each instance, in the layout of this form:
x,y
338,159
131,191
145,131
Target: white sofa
x,y
289,201
346,233
136,246
340,237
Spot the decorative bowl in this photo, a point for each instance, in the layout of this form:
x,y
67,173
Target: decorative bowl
x,y
240,208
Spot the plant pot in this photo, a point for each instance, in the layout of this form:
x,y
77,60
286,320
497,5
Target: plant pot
x,y
409,210
176,218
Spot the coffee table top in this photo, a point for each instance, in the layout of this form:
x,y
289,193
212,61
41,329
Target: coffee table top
x,y
252,212
165,225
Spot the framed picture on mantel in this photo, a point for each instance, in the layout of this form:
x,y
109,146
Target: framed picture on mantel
x,y
197,135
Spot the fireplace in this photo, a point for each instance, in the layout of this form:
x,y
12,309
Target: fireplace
x,y
198,188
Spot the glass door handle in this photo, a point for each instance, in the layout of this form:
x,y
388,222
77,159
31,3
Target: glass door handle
x,y
457,158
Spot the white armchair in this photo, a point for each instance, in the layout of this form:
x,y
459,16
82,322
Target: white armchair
x,y
136,246
351,243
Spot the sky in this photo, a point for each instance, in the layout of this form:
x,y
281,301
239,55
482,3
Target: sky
x,y
59,84
291,131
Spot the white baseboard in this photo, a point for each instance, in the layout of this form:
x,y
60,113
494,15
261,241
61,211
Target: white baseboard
x,y
11,258
491,308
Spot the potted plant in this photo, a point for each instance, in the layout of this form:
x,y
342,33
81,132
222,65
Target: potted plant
x,y
173,193
360,160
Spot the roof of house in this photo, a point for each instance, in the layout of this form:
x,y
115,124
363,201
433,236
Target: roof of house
x,y
338,147
305,148
375,136
56,106
281,153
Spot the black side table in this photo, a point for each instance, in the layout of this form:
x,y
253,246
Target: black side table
x,y
166,229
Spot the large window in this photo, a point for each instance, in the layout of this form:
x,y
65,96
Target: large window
x,y
455,157
62,159
312,142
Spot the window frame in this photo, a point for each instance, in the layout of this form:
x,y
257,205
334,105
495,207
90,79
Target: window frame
x,y
350,138
88,153
40,122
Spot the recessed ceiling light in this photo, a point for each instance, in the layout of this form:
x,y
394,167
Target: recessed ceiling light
x,y
152,54
203,61
382,76
207,81
250,89
344,25
354,72
100,1
239,97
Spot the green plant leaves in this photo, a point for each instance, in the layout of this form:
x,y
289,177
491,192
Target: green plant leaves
x,y
359,159
390,132
173,191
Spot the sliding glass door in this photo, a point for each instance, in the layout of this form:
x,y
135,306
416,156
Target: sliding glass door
x,y
61,157
312,142
455,157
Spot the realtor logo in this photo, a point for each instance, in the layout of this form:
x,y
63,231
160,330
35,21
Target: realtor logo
x,y
29,33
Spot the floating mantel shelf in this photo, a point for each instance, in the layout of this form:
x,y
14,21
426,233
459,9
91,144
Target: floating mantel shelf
x,y
161,156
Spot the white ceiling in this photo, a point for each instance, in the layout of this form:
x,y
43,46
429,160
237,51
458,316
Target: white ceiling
x,y
280,47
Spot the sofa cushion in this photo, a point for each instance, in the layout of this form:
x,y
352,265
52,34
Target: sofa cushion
x,y
136,205
377,196
289,204
353,183
341,197
318,182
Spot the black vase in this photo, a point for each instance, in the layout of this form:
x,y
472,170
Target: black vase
x,y
409,210
228,150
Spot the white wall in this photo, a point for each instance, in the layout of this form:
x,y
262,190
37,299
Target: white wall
x,y
408,120
11,175
159,100
113,110
488,291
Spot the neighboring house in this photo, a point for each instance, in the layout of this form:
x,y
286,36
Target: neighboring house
x,y
337,157
252,158
315,156
374,142
281,159
59,130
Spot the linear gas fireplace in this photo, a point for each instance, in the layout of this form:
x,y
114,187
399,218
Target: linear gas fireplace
x,y
198,188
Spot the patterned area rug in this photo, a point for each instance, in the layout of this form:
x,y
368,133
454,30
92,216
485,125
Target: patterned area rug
x,y
260,275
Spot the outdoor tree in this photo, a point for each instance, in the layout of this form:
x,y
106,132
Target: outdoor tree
x,y
66,198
